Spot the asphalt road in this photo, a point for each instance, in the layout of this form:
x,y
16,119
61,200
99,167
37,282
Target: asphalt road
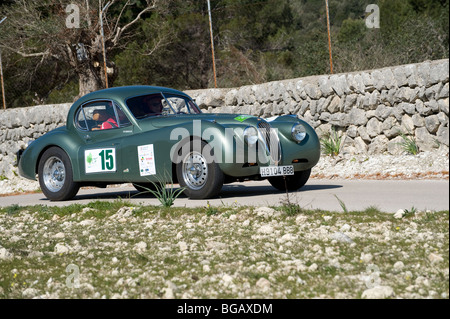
x,y
386,195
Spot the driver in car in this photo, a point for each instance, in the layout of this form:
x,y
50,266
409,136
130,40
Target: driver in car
x,y
107,120
153,104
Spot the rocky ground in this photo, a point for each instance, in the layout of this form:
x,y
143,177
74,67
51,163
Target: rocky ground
x,y
113,250
425,165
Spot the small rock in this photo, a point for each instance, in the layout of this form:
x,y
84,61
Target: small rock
x,y
140,247
313,267
266,229
380,292
399,214
366,257
341,237
87,222
434,258
265,212
227,279
30,293
183,246
5,254
61,249
168,293
263,284
59,235
399,265
345,228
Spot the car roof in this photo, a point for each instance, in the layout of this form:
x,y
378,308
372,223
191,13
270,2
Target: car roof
x,y
121,93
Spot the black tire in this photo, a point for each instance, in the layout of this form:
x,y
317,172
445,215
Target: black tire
x,y
292,182
198,172
145,187
56,175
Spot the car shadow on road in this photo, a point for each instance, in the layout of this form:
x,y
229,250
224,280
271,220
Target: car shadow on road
x,y
250,191
228,191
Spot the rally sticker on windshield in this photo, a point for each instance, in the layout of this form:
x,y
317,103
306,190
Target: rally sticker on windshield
x,y
242,118
100,160
146,157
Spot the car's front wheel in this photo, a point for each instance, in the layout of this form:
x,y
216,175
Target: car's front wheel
x,y
290,182
55,175
199,173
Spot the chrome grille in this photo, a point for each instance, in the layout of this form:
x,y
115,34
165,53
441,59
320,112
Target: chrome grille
x,y
271,140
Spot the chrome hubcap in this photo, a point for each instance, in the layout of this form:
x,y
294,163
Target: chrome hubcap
x,y
54,174
195,170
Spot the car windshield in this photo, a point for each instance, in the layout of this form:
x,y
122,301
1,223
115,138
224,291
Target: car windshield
x,y
145,106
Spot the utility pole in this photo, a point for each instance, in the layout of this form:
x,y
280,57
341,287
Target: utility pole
x,y
103,42
212,43
329,37
1,74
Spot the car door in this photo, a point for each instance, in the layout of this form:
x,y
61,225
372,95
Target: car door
x,y
101,147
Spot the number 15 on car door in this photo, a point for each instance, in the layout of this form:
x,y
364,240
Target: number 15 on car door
x,y
100,160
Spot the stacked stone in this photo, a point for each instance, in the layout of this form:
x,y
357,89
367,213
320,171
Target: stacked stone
x,y
19,126
370,109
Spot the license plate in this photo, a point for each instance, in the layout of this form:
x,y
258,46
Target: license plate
x,y
276,170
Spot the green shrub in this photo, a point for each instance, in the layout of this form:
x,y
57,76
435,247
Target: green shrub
x,y
331,143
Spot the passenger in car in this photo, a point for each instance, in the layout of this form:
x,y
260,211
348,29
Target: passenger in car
x,y
108,121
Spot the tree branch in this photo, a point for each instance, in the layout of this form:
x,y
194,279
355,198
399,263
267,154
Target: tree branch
x,y
138,17
27,55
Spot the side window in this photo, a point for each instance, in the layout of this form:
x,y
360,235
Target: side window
x,y
123,120
146,105
80,120
181,105
178,104
98,115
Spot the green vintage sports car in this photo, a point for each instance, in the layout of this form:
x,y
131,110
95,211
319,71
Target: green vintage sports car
x,y
146,135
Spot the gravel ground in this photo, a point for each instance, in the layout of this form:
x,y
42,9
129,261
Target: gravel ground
x,y
425,165
118,251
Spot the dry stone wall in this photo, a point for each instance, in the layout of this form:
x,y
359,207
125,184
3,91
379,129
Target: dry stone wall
x,y
18,126
370,109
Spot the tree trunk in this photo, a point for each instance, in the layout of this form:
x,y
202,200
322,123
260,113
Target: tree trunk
x,y
89,80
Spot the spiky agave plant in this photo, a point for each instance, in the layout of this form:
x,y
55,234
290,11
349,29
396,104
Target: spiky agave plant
x,y
331,143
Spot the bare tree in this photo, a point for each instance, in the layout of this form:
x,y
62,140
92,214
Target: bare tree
x,y
71,33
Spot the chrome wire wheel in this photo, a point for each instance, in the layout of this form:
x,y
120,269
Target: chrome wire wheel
x,y
195,170
54,174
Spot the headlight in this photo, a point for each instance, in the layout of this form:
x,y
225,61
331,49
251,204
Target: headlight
x,y
251,135
298,132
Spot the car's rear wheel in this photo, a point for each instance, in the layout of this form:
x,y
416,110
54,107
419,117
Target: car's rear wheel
x,y
199,173
56,176
290,182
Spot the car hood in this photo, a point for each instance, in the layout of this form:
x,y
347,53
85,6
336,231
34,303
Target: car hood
x,y
223,119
